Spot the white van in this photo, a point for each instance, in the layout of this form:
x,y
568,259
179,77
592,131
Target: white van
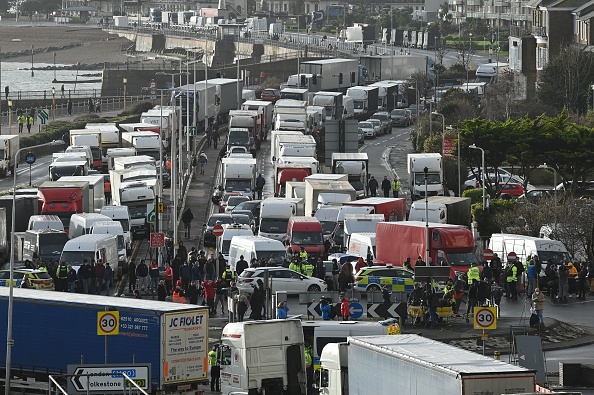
x,y
91,247
349,107
113,228
255,247
121,215
41,222
324,332
81,224
525,246
230,230
362,245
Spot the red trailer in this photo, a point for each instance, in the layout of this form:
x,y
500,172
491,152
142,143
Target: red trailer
x,y
450,245
64,198
393,209
289,172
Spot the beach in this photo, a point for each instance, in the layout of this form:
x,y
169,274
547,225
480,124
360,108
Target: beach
x,y
85,44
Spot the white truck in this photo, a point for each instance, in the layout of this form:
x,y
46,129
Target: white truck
x,y
275,214
388,95
110,137
165,119
113,153
70,156
92,139
96,188
355,166
9,145
114,228
442,210
379,364
139,197
547,250
332,103
328,72
267,110
294,93
239,175
290,115
293,145
59,169
321,192
416,163
134,162
274,141
263,357
248,119
488,72
365,100
90,247
229,231
119,214
362,244
145,143
359,223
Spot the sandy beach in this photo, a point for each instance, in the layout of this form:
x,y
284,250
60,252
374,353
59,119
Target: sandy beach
x,y
88,45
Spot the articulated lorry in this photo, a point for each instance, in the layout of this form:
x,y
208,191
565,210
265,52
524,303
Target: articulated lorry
x,y
263,357
443,210
393,209
9,145
449,245
290,115
275,214
239,175
64,198
356,166
365,100
332,103
91,138
267,110
416,165
252,120
415,365
388,94
170,338
139,197
289,172
329,73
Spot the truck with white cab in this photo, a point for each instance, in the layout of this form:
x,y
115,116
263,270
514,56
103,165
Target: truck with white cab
x,y
416,165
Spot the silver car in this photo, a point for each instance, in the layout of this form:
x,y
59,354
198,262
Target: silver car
x,y
377,124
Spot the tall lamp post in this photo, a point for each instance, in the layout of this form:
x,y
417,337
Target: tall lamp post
x,y
426,171
473,146
10,117
32,72
9,340
442,132
53,103
125,83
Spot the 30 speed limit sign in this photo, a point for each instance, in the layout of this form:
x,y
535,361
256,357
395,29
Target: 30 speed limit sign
x,y
485,318
108,323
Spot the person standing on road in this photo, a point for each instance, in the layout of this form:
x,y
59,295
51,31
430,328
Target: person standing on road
x,y
395,187
30,121
215,370
72,277
69,107
6,91
131,276
161,291
185,273
187,218
62,90
373,186
202,162
154,275
531,274
168,278
91,105
142,274
99,273
62,276
538,300
260,182
386,187
240,266
512,281
107,278
21,122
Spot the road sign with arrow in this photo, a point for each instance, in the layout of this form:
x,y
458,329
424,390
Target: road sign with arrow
x,y
383,310
107,379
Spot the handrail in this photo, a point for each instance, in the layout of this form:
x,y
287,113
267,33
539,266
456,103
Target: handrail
x,y
58,386
126,377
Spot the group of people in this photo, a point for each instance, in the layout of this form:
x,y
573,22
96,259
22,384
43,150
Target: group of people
x,y
386,187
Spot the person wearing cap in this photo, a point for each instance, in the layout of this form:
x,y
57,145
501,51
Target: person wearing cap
x,y
260,182
420,261
473,273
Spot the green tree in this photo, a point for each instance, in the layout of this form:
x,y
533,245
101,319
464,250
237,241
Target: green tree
x,y
565,80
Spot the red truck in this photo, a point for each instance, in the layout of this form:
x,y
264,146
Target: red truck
x,y
64,198
289,172
450,245
306,232
393,209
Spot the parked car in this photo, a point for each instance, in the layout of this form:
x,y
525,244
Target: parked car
x,y
234,201
373,278
384,117
400,117
270,95
367,128
377,125
282,279
509,190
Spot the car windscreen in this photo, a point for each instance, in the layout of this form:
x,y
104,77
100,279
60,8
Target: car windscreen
x,y
462,258
223,219
273,225
76,258
277,256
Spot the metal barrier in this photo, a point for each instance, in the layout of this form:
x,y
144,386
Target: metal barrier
x,y
59,389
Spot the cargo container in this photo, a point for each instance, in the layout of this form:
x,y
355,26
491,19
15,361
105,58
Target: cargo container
x,y
442,209
393,209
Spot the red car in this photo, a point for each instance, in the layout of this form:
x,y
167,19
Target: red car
x,y
510,190
223,201
270,95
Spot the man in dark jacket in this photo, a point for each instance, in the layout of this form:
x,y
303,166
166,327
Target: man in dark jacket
x,y
260,182
131,276
386,186
142,273
373,186
241,265
187,218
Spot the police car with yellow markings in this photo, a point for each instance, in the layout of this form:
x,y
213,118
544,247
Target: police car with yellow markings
x,y
374,278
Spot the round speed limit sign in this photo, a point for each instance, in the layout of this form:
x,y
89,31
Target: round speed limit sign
x,y
108,323
485,318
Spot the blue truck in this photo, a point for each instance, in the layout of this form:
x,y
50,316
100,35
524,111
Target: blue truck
x,y
52,330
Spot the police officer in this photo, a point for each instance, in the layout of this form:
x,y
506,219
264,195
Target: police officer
x,y
21,122
62,276
215,370
228,275
308,268
512,281
294,266
303,254
395,187
30,121
309,369
473,273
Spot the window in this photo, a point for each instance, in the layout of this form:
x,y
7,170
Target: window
x,y
324,378
225,355
404,274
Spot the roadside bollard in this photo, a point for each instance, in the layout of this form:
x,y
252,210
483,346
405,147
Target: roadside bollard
x,y
497,355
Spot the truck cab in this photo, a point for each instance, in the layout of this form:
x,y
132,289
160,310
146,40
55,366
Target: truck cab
x,y
305,232
57,170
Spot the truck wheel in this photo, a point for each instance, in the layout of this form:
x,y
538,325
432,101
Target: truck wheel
x,y
373,288
313,288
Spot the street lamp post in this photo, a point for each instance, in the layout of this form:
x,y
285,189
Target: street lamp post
x,y
53,103
125,83
426,171
473,146
32,72
10,117
9,340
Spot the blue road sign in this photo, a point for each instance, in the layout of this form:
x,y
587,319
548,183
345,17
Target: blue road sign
x,y
356,310
30,158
